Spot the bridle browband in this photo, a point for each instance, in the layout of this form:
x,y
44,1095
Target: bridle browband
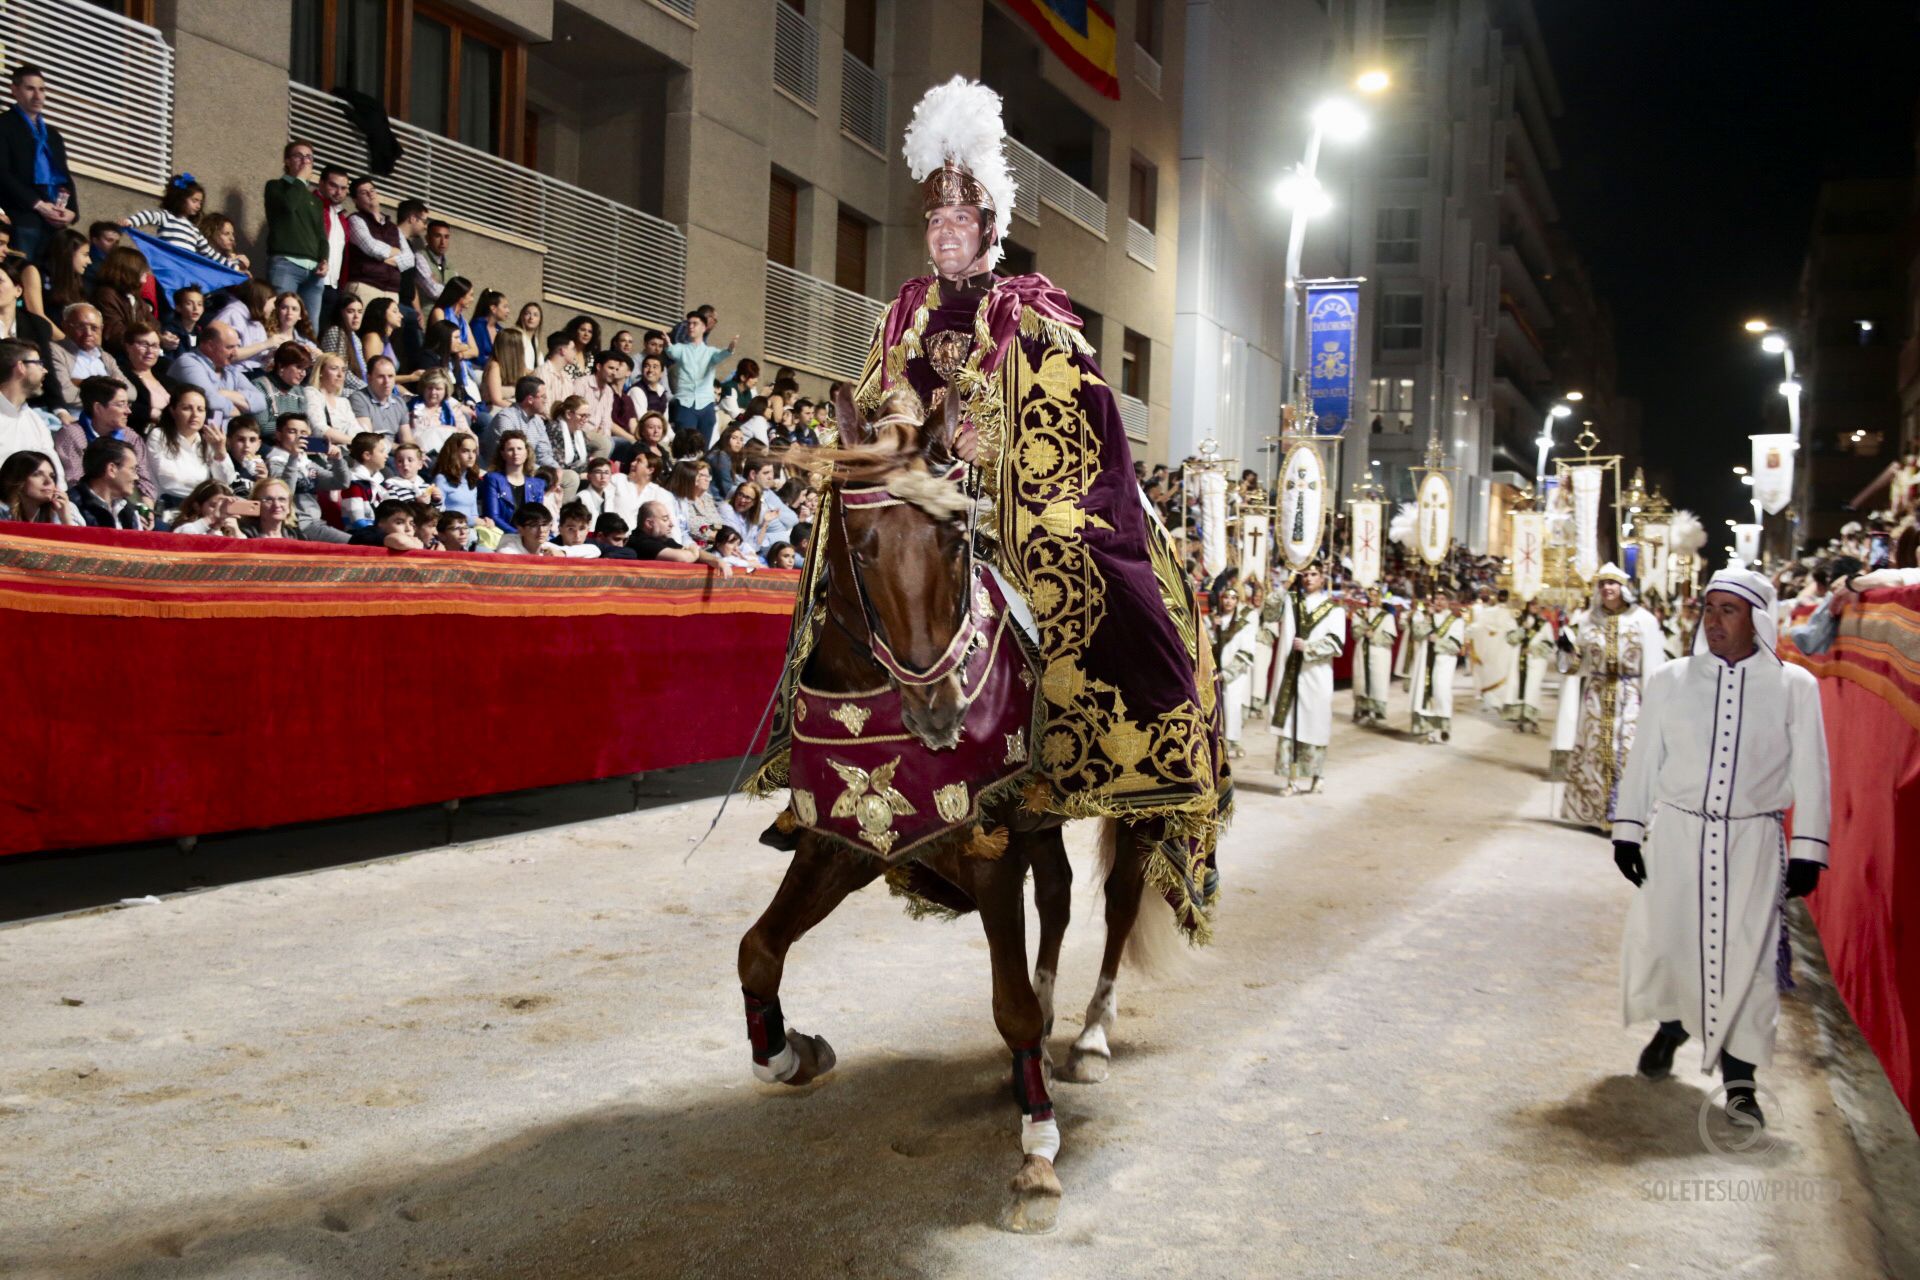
x,y
869,497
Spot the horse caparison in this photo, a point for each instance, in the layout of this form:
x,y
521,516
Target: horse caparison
x,y
900,574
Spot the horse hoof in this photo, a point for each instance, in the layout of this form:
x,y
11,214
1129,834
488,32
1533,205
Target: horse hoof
x,y
1036,1198
1086,1068
815,1056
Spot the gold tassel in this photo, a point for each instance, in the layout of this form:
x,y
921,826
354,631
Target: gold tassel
x,y
1037,796
988,845
786,823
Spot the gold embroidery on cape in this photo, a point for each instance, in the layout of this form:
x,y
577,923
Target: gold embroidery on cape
x,y
853,716
950,802
871,800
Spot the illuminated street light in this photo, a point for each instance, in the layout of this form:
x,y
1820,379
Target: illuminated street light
x,y
1576,396
1773,344
1302,193
1739,471
1561,411
1758,326
1340,120
1790,389
1372,80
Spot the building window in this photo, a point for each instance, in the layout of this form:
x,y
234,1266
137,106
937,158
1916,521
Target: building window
x,y
862,29
1403,149
850,252
1142,192
431,66
1403,42
1390,401
1401,321
1136,358
783,221
1016,260
1149,26
1396,235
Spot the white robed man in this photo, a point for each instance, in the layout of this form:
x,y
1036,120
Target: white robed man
x,y
1374,631
1532,642
1619,646
1566,719
1441,633
1490,623
1414,651
1236,634
1729,739
1680,626
1267,608
1313,632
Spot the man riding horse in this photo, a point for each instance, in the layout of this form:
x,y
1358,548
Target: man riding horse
x,y
984,444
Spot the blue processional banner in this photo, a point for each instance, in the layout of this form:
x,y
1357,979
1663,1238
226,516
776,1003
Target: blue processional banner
x,y
1333,318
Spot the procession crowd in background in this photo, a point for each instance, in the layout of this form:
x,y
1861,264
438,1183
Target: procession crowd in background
x,y
348,384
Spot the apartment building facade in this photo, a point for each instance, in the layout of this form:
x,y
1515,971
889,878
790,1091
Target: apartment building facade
x,y
630,158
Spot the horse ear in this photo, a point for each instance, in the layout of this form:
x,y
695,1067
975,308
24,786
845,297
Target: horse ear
x,y
853,427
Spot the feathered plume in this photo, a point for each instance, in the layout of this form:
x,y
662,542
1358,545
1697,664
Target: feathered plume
x,y
1685,534
1401,528
960,121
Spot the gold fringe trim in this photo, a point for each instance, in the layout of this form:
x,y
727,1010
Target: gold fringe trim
x,y
918,908
988,845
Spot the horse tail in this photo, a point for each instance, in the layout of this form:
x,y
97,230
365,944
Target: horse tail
x,y
1154,945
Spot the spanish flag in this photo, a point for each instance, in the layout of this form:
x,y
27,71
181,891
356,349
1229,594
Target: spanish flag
x,y
1081,32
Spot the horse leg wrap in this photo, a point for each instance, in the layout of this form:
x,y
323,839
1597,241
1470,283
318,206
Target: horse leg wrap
x,y
773,1058
1039,1132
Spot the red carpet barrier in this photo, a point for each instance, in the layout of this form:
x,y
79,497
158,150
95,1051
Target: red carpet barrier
x,y
151,691
1869,901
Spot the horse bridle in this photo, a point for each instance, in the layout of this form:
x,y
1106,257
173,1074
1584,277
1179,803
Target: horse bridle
x,y
950,661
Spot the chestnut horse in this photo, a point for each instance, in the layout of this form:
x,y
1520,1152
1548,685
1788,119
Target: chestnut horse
x,y
905,569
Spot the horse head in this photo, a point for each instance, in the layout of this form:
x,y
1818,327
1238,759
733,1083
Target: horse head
x,y
899,566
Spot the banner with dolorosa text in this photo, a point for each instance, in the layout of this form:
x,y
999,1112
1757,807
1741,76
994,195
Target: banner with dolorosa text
x,y
1333,318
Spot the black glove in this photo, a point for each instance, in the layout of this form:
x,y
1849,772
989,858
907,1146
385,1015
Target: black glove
x,y
1803,877
1626,856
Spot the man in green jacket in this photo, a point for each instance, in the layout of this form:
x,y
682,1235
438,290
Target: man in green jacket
x,y
296,231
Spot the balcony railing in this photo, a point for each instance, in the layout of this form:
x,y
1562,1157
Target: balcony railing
x,y
863,102
817,325
682,7
1146,69
599,252
1134,416
796,53
1038,179
1142,245
109,83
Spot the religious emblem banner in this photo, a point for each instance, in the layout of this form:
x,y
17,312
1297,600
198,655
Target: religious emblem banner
x,y
1434,533
1303,505
1586,486
1256,544
1746,543
1529,553
1333,317
1773,472
1213,520
1366,543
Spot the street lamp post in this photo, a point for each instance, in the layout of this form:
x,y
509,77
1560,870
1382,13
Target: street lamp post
x,y
1340,120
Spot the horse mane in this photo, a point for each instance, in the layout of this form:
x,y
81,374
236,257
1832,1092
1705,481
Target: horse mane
x,y
890,455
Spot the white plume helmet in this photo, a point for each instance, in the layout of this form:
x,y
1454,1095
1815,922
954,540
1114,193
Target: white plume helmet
x,y
959,123
1685,534
1401,528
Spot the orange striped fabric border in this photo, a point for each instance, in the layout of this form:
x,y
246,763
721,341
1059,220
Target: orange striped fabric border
x,y
39,575
1878,649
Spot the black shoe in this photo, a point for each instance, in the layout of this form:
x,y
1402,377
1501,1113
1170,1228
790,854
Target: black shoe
x,y
1743,1108
1656,1060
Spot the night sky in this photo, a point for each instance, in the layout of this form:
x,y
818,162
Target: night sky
x,y
1695,139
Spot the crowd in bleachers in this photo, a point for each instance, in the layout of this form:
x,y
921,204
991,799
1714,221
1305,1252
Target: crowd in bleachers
x,y
347,383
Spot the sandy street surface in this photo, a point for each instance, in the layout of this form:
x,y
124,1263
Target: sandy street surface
x,y
525,1057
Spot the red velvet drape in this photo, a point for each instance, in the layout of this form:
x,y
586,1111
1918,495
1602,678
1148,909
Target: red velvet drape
x,y
154,691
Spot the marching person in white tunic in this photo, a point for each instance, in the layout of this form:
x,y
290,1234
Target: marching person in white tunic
x,y
1566,720
1266,642
1532,644
1440,632
1729,739
1374,631
1620,646
1490,623
1313,632
1236,630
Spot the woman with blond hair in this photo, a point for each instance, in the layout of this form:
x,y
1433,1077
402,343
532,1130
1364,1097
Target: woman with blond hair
x,y
328,410
275,520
